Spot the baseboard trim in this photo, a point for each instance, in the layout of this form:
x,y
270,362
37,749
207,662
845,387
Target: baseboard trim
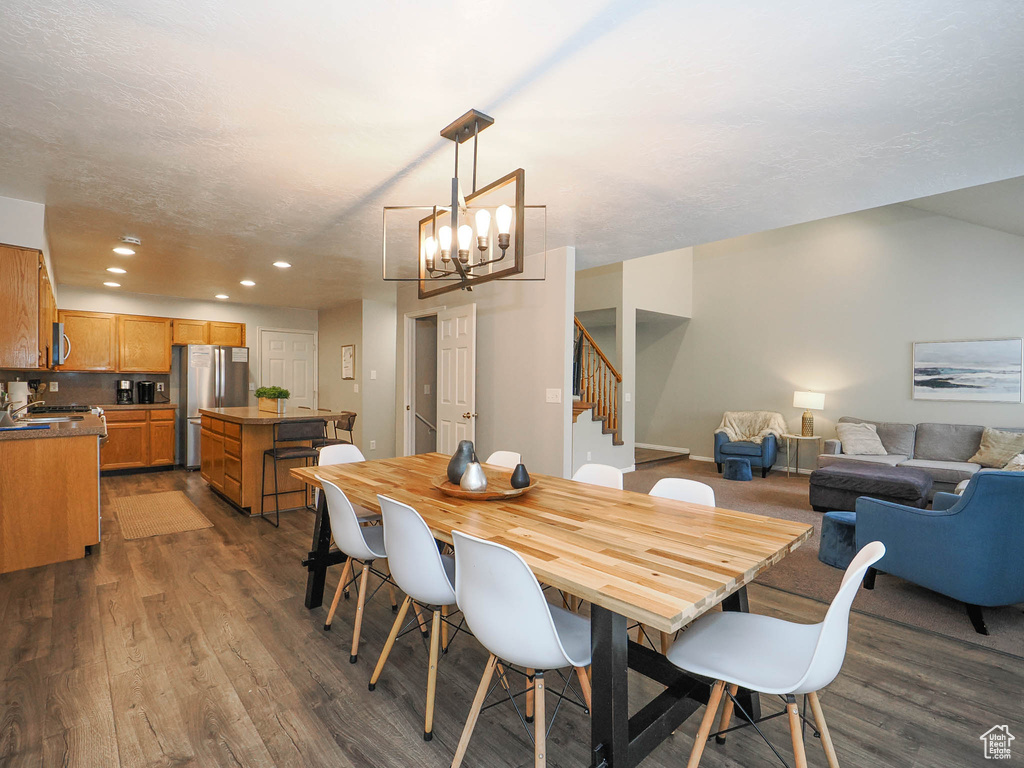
x,y
702,458
653,447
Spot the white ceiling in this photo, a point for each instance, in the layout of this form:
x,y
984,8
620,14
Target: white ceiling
x,y
227,134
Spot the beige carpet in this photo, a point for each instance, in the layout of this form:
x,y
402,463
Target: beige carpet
x,y
156,514
803,574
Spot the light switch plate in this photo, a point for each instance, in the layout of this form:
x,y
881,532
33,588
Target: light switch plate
x,y
373,375
554,396
373,445
252,386
589,456
355,388
629,397
53,386
426,389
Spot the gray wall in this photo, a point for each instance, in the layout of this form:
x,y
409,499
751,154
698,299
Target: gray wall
x,y
524,345
831,306
339,326
426,374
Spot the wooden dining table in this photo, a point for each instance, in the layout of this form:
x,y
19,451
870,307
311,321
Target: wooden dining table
x,y
630,555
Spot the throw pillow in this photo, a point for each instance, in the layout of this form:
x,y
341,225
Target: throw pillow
x,y
860,439
997,448
1016,464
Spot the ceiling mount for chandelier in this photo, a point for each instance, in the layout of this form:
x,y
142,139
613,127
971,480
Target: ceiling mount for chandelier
x,y
465,243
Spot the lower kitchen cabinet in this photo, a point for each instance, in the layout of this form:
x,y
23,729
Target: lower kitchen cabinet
x,y
138,438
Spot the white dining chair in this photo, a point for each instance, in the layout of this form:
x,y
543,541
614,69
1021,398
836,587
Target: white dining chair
x,y
772,656
505,609
341,453
426,576
599,474
682,489
360,543
507,459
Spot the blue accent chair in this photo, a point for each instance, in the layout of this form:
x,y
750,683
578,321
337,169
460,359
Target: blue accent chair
x,y
969,547
762,455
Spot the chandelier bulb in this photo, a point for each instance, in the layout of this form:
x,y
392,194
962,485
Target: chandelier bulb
x,y
444,237
503,217
465,237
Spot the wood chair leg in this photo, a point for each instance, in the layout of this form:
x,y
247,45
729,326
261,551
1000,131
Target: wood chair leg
x,y
726,720
826,738
501,676
444,628
796,731
540,757
396,628
705,724
337,593
474,711
364,577
435,637
419,618
581,675
666,641
529,695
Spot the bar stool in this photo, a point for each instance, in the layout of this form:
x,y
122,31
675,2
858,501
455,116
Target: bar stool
x,y
344,424
290,432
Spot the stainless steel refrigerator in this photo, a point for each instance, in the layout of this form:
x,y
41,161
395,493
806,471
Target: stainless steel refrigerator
x,y
211,377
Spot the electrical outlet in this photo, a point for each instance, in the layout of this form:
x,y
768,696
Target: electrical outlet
x,y
54,386
252,386
373,445
159,386
426,389
373,375
554,396
355,388
589,455
629,397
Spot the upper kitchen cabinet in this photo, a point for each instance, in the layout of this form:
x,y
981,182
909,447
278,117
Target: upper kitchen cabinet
x,y
26,306
144,344
227,334
91,339
191,332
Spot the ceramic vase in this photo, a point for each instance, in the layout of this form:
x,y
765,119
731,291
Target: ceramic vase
x,y
463,455
473,479
520,477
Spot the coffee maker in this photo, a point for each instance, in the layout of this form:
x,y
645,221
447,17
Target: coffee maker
x,y
124,392
145,391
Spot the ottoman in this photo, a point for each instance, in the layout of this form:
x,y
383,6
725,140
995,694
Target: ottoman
x,y
838,538
737,469
838,486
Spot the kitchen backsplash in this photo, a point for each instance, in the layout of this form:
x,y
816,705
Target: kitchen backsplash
x,y
86,388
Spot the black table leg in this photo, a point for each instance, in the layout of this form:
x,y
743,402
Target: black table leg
x,y
320,556
737,601
609,719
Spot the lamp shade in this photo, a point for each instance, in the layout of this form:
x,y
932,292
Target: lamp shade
x,y
812,401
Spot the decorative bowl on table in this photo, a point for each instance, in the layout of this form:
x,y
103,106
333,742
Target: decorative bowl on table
x,y
498,487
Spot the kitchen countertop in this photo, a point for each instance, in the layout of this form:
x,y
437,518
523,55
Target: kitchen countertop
x,y
253,415
89,426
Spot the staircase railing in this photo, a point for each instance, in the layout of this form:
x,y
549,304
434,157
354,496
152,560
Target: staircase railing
x,y
595,379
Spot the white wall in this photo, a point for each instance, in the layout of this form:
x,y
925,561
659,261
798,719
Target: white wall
x,y
23,223
340,326
524,346
834,306
254,317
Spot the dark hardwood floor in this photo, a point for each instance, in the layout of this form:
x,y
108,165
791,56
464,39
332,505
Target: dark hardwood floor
x,y
195,649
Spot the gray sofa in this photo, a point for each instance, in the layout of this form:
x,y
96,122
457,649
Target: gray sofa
x,y
941,450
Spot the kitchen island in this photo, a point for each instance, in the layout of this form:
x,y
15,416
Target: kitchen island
x,y
232,442
49,491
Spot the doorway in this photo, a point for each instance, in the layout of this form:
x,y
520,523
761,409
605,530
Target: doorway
x,y
425,384
288,359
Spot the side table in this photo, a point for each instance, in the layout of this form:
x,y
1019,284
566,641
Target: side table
x,y
789,450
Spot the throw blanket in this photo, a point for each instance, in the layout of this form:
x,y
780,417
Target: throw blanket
x,y
752,426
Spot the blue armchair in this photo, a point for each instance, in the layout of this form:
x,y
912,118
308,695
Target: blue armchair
x,y
762,455
969,547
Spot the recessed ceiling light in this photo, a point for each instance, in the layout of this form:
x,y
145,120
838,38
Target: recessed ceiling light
x,y
282,264
248,283
221,296
124,251
113,285
117,270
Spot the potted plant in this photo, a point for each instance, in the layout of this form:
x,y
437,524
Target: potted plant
x,y
272,398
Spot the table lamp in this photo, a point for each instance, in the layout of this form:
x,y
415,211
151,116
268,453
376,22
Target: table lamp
x,y
810,401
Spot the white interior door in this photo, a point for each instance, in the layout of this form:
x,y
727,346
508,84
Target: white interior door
x,y
456,377
288,359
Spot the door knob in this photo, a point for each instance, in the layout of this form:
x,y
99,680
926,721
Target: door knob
x,y
469,415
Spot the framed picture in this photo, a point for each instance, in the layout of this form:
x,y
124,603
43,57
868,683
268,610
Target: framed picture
x,y
348,361
978,371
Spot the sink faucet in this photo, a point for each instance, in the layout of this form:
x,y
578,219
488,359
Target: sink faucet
x,y
16,411
8,414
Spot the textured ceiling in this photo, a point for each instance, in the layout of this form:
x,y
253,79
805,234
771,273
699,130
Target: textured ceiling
x,y
227,134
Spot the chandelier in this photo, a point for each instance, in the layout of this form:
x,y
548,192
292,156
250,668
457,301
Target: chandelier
x,y
466,242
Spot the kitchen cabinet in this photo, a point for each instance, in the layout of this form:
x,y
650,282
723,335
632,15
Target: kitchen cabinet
x,y
211,452
191,332
144,344
227,334
26,308
138,438
91,340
